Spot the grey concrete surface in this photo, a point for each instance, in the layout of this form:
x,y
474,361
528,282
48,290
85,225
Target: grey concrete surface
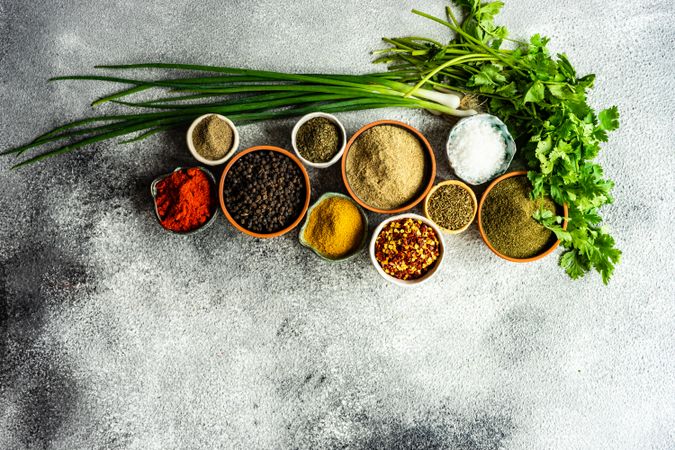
x,y
118,335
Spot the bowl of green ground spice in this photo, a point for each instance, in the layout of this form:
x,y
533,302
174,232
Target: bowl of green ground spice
x,y
319,139
506,224
451,205
388,167
212,139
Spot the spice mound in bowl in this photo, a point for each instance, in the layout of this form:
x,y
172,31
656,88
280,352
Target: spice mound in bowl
x,y
335,227
264,192
318,140
452,206
212,139
387,166
185,199
506,222
407,249
480,148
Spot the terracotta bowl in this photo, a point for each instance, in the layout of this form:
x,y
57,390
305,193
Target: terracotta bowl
x,y
431,169
463,186
482,231
258,148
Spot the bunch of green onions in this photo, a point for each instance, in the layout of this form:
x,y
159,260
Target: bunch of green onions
x,y
245,96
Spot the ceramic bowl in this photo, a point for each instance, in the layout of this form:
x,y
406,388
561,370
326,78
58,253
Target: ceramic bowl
x,y
548,251
463,186
212,162
509,144
431,170
326,196
308,191
343,139
426,276
153,193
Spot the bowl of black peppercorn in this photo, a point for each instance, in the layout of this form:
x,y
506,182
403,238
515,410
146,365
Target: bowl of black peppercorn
x,y
264,191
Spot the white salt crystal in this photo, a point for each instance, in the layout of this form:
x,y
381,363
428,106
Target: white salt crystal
x,y
477,150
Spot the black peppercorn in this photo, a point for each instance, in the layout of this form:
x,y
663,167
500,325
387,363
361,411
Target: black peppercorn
x,y
264,191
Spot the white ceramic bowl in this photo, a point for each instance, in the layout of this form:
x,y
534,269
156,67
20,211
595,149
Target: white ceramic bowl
x,y
426,276
343,139
228,155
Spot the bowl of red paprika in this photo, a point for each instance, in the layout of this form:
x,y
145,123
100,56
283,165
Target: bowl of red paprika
x,y
185,200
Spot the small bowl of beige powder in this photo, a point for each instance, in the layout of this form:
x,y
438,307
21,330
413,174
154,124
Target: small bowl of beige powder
x,y
212,139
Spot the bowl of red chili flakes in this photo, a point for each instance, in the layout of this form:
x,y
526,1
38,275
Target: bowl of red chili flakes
x,y
407,250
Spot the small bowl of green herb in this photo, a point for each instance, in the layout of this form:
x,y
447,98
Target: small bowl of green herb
x,y
451,205
319,140
508,220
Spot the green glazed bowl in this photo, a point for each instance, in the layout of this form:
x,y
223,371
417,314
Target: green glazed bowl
x,y
361,246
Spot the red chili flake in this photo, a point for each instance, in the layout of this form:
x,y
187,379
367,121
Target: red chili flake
x,y
407,248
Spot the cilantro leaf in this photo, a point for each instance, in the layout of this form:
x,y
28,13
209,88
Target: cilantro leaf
x,y
535,93
489,75
575,264
609,118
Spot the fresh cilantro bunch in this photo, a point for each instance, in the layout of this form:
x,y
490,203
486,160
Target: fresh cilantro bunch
x,y
544,104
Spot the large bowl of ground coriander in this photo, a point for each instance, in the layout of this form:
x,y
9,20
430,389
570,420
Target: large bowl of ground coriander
x,y
388,167
506,222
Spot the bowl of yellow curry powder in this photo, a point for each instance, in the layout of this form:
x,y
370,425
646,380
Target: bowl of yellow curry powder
x,y
336,227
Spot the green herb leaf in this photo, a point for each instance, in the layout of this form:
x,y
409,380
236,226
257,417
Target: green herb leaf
x,y
535,93
575,264
489,75
609,118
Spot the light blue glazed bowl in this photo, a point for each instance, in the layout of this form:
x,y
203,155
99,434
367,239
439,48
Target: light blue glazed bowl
x,y
361,246
509,146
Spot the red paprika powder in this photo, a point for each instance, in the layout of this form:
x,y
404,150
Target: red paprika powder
x,y
185,200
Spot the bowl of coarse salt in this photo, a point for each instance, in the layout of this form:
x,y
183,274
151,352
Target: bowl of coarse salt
x,y
480,148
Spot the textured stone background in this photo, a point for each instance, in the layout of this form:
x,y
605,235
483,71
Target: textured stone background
x,y
118,335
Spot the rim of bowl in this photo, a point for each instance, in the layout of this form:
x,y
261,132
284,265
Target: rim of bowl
x,y
343,139
200,158
425,144
482,231
257,148
364,239
464,186
153,193
426,276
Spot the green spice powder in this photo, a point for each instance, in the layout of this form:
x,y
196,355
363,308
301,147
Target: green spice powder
x,y
507,219
451,207
212,137
318,140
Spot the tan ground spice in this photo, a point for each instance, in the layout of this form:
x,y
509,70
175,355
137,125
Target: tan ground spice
x,y
386,166
212,137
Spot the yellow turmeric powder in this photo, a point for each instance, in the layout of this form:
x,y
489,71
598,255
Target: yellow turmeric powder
x,y
335,228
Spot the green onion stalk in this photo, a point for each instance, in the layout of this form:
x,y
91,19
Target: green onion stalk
x,y
244,95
